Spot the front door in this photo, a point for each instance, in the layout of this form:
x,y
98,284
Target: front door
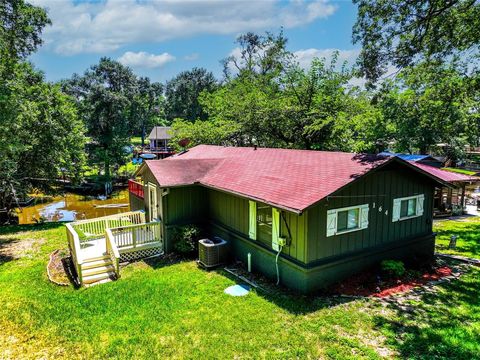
x,y
152,199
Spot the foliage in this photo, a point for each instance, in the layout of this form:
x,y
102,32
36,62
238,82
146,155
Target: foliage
x,y
41,136
21,26
402,32
393,268
104,96
147,107
155,304
183,91
185,238
431,104
287,106
258,56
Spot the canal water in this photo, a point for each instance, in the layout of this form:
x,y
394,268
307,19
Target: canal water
x,y
70,207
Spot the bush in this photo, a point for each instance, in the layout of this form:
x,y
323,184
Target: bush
x,y
394,268
185,239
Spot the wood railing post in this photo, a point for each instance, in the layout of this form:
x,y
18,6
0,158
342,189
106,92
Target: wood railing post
x,y
134,237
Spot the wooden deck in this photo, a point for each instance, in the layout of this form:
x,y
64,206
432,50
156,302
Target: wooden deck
x,y
99,245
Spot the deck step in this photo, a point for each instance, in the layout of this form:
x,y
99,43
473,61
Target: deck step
x,y
90,279
96,258
98,270
96,263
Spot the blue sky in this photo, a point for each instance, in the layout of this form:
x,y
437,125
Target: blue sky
x,y
161,38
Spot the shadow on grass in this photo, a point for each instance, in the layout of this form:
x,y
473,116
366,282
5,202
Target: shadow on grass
x,y
293,302
437,324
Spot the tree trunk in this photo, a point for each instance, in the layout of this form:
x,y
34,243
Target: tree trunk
x,y
106,166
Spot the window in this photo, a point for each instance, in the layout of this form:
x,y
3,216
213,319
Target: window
x,y
345,220
348,219
264,223
407,207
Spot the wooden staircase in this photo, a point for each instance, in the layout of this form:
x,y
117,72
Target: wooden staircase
x,y
98,270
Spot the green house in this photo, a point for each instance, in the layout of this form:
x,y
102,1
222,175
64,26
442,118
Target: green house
x,y
326,214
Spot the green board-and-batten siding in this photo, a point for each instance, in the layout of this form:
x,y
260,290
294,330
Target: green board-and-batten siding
x,y
377,189
232,212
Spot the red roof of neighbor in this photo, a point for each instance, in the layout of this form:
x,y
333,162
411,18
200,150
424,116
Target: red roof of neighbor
x,y
447,176
291,179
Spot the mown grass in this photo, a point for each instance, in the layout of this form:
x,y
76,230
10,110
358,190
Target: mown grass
x,y
467,231
175,310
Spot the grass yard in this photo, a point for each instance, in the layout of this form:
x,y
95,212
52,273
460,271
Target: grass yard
x,y
162,310
467,231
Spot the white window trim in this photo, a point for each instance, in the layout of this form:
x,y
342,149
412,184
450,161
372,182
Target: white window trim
x,y
417,197
358,228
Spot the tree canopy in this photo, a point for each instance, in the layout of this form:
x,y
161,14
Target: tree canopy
x,y
40,133
183,91
402,33
105,96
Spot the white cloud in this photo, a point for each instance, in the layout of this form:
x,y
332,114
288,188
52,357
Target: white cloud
x,y
191,57
305,57
97,27
145,60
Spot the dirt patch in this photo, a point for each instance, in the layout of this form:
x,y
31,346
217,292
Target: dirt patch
x,y
60,268
16,247
372,283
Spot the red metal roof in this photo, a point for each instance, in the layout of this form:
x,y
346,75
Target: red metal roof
x,y
291,179
447,176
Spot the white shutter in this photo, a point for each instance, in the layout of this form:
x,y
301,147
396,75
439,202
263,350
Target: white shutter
x,y
252,232
275,228
396,209
420,201
364,216
331,222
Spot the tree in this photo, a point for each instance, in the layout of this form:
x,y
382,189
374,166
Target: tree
x,y
183,91
288,107
430,104
40,133
104,96
21,26
403,33
258,55
148,107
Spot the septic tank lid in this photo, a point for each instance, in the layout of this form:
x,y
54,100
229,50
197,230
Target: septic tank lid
x,y
237,290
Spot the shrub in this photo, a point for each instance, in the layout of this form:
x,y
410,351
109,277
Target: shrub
x,y
185,239
393,268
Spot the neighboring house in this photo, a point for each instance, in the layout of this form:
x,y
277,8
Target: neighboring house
x,y
159,141
417,158
330,214
448,200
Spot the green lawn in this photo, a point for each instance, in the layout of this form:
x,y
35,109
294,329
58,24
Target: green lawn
x,y
467,231
175,310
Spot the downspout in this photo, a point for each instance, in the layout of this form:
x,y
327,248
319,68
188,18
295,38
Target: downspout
x,y
282,242
276,263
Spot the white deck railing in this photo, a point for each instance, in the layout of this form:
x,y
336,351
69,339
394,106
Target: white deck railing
x,y
121,232
91,229
112,251
136,235
74,245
